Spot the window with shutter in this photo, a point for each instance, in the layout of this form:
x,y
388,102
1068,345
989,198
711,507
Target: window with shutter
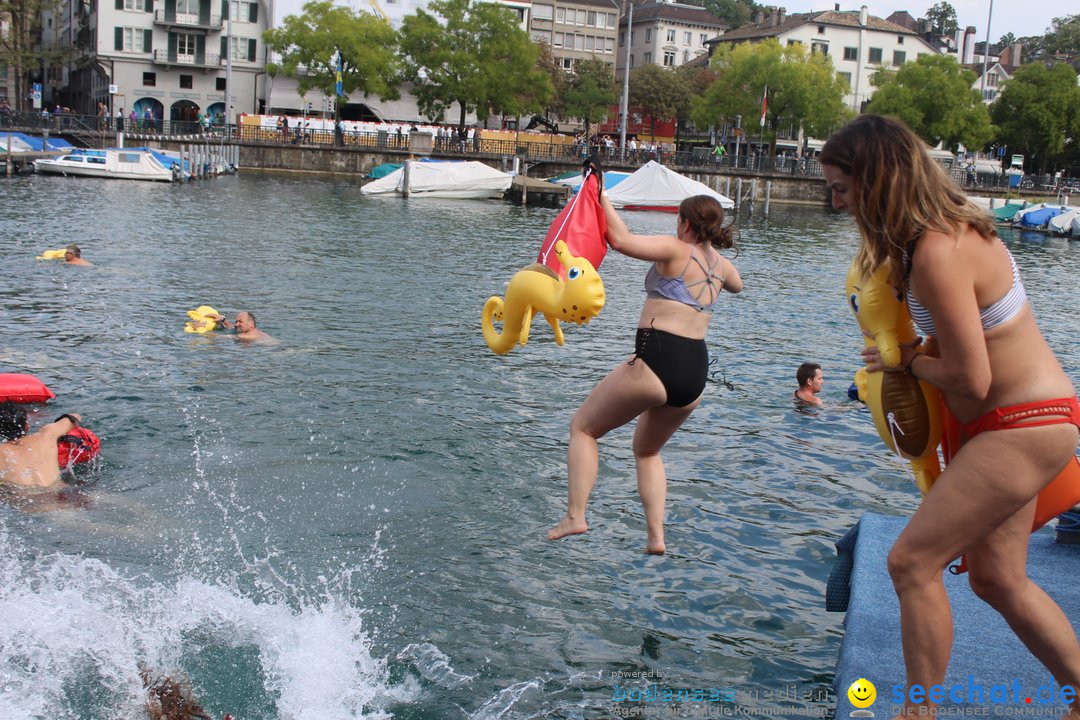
x,y
251,49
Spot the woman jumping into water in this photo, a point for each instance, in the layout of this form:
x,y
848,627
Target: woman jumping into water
x,y
662,382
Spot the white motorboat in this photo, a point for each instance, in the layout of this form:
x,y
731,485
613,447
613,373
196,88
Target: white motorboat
x,y
110,163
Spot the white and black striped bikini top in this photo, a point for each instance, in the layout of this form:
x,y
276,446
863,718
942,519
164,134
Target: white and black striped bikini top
x,y
994,314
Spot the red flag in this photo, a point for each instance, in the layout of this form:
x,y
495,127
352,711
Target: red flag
x,y
581,225
764,104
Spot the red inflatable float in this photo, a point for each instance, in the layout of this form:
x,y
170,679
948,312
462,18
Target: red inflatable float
x,y
23,388
77,446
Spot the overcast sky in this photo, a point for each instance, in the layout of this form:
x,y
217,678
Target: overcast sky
x,y
1016,16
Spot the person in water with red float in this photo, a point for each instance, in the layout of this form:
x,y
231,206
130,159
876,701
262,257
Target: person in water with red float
x,y
33,459
663,381
1016,407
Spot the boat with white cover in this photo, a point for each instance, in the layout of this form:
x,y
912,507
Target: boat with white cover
x,y
463,180
655,187
110,163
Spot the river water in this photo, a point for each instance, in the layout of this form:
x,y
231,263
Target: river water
x,y
350,523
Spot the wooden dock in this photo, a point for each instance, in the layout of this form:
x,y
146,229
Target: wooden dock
x,y
14,163
533,191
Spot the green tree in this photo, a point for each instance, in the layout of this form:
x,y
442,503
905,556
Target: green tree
x,y
735,13
1063,37
560,80
1038,114
935,97
306,44
22,52
942,17
657,92
693,80
802,88
1032,48
591,92
477,57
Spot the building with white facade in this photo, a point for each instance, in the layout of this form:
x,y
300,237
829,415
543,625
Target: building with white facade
x,y
172,58
666,33
576,30
999,65
857,42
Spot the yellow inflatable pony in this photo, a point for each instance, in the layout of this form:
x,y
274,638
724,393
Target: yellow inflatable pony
x,y
578,299
204,319
906,411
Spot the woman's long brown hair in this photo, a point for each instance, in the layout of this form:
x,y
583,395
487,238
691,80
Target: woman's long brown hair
x,y
899,192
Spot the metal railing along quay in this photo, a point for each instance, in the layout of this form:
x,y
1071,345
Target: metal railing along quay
x,y
90,129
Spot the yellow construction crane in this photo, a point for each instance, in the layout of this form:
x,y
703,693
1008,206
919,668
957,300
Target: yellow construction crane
x,y
379,12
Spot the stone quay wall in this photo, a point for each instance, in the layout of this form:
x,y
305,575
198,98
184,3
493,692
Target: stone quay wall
x,y
357,163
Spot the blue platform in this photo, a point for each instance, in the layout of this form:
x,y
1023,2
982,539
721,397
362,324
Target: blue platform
x,y
32,142
985,650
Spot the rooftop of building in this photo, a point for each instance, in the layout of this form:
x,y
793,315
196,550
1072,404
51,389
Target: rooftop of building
x,y
779,23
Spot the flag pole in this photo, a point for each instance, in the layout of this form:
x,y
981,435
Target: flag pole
x,y
761,133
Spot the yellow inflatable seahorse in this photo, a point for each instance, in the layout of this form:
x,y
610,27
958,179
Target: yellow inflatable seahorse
x,y
204,319
906,411
577,299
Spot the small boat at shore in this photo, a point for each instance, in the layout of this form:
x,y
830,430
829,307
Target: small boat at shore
x,y
123,164
468,180
1067,223
661,189
1037,216
1008,211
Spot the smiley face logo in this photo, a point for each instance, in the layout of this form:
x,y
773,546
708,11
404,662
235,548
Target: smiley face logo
x,y
862,693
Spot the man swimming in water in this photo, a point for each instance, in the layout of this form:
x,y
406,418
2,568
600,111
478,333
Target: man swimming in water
x,y
810,381
245,329
30,459
73,256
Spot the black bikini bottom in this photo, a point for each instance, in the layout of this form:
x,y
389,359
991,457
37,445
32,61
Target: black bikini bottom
x,y
681,363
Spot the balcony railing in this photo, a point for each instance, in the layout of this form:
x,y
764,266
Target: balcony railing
x,y
172,18
202,60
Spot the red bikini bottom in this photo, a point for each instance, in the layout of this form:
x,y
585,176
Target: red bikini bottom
x,y
1049,412
1063,492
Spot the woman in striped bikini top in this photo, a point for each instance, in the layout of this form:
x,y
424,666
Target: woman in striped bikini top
x,y
996,313
999,379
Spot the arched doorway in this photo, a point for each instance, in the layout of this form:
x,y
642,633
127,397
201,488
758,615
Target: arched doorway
x,y
148,121
217,113
183,116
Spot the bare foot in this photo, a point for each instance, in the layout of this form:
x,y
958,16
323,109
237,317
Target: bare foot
x,y
567,526
655,546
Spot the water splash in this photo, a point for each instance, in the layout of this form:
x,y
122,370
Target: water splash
x,y
73,622
434,665
502,705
